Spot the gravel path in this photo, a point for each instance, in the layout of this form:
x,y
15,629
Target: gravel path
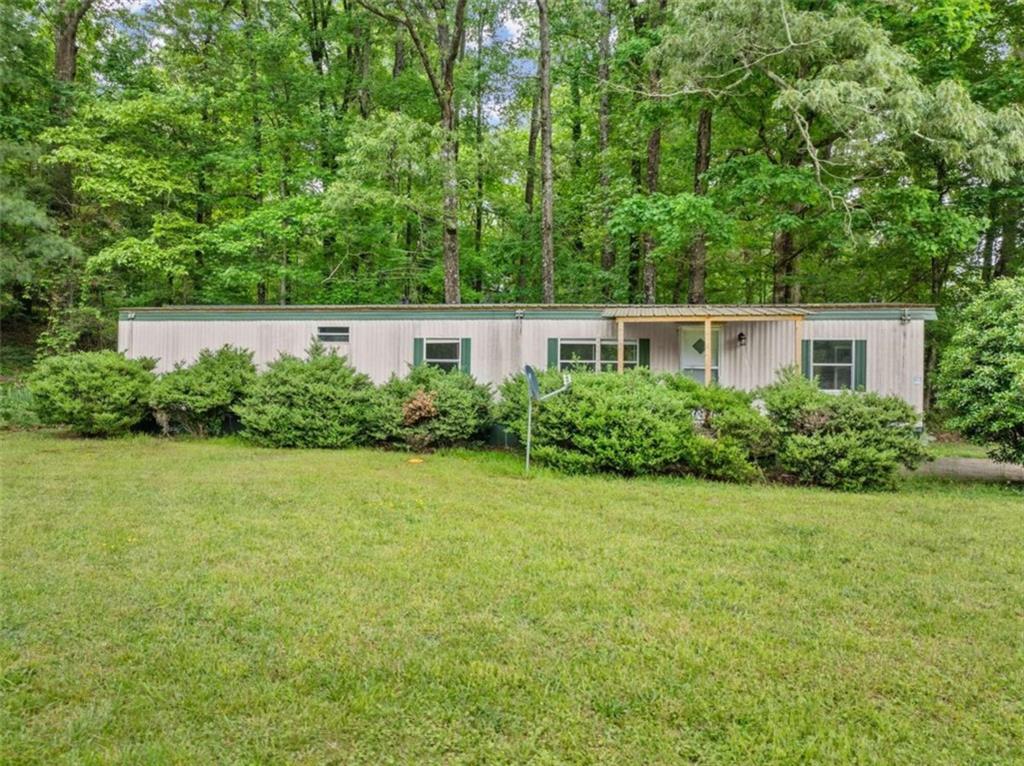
x,y
972,468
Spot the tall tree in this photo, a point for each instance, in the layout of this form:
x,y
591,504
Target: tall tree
x,y
604,127
68,17
547,192
699,246
448,28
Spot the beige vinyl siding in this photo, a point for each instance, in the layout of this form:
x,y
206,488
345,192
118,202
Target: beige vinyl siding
x,y
379,348
500,347
171,342
664,351
895,353
770,347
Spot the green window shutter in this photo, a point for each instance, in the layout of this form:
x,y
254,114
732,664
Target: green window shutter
x,y
643,352
805,357
417,351
552,353
465,354
860,365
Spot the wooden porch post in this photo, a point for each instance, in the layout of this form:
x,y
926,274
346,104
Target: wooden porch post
x,y
707,351
620,326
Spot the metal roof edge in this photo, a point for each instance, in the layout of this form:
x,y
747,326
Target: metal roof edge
x,y
504,311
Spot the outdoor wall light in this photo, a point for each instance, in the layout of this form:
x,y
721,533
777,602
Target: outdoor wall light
x,y
741,339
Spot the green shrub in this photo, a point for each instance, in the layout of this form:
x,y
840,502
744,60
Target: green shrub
x,y
629,424
790,400
626,424
981,377
198,399
711,399
17,409
728,416
845,461
758,436
719,458
430,408
320,401
851,441
96,393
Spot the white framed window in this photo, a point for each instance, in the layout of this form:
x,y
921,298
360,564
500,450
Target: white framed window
x,y
595,354
332,334
443,353
832,363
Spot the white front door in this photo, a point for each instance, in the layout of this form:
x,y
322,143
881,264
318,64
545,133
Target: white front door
x,y
692,350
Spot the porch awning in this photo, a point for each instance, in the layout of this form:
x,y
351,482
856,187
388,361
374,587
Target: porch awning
x,y
696,313
707,315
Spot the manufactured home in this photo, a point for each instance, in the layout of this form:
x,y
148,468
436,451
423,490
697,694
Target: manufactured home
x,y
873,347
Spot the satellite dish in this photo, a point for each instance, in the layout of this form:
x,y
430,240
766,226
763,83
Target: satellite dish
x,y
531,383
533,387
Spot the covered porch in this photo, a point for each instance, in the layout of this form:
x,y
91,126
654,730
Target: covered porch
x,y
709,322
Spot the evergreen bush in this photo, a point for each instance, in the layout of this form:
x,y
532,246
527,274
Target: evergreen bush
x,y
199,399
630,424
430,408
847,440
320,401
95,393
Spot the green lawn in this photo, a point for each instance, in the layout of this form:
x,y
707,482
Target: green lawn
x,y
956,449
188,602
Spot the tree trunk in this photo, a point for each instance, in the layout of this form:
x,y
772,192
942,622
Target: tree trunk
x,y
398,66
450,236
547,241
1006,266
991,233
604,131
635,254
653,168
653,171
531,152
577,160
784,288
441,75
699,247
319,17
253,83
65,67
365,54
478,211
785,266
282,287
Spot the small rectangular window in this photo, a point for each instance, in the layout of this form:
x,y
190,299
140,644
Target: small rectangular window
x,y
332,334
595,355
443,353
832,363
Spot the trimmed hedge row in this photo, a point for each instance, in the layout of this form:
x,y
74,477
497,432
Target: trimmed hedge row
x,y
633,424
641,423
320,401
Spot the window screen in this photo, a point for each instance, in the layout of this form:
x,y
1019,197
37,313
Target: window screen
x,y
332,334
442,353
832,363
595,355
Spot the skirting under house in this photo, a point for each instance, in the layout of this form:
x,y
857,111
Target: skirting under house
x,y
872,347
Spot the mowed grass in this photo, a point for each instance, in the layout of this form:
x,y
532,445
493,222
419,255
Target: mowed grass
x,y
956,449
208,602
